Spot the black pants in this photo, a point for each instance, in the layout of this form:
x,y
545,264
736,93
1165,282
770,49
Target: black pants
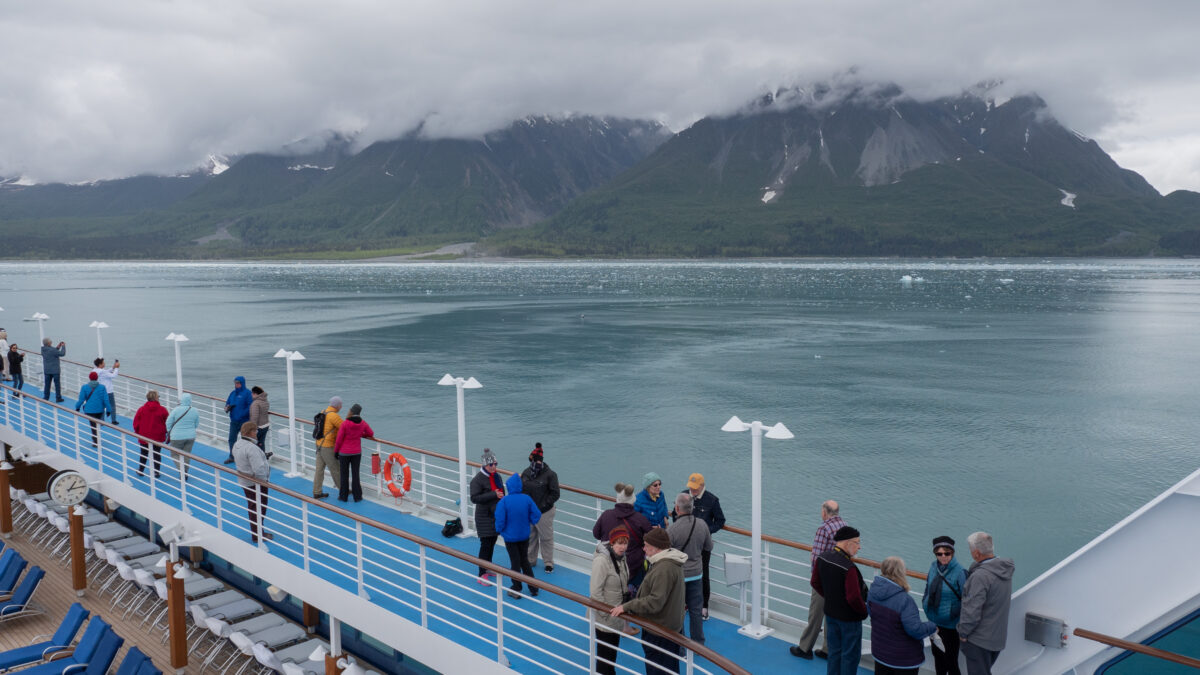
x,y
95,428
946,663
57,380
487,546
606,651
256,493
261,439
518,561
979,660
656,661
157,459
351,484
705,557
881,669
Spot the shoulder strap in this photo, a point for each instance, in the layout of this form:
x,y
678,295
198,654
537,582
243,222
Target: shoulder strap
x,y
950,585
690,533
177,420
89,396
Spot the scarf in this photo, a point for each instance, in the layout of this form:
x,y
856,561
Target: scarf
x,y
494,481
933,591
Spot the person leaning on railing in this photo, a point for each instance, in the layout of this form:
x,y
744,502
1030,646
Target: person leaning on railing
x,y
326,457
660,598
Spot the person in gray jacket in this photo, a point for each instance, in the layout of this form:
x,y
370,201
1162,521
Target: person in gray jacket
x,y
51,369
983,622
690,535
252,463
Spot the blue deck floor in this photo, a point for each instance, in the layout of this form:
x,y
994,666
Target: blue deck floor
x,y
759,656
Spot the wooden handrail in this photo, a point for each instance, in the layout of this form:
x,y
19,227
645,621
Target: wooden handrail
x,y
699,649
1137,647
580,491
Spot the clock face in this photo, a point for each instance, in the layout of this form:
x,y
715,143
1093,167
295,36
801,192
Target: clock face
x,y
67,487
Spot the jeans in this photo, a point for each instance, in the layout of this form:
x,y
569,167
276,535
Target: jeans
x,y
845,646
351,483
606,651
57,380
979,660
112,406
235,430
518,561
693,593
95,428
656,661
18,382
946,662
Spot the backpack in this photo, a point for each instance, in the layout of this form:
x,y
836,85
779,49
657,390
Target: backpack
x,y
452,527
319,426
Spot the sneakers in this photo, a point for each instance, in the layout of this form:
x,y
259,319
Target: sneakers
x,y
533,591
549,567
822,653
229,459
515,595
796,651
486,579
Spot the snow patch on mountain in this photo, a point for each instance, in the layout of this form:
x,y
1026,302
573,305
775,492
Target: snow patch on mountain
x,y
1068,198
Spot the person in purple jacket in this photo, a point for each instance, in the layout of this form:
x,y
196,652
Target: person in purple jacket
x,y
635,523
516,514
897,631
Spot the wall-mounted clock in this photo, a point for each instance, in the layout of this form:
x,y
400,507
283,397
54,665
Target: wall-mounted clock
x,y
67,487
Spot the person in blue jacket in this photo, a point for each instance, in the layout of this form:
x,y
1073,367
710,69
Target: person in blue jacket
x,y
516,514
650,502
943,603
237,404
897,631
181,431
94,402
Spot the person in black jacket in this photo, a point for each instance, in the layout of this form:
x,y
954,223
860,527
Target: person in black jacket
x,y
540,482
15,359
487,487
706,507
837,579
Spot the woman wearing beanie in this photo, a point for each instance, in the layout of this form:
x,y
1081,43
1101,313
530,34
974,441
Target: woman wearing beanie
x,y
635,523
348,449
943,603
650,502
487,487
897,631
94,403
610,576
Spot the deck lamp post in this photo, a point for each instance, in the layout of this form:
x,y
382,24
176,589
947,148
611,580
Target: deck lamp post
x,y
99,343
755,629
40,318
460,384
290,356
177,338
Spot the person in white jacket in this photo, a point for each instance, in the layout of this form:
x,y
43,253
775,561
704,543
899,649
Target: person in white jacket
x,y
251,462
106,377
610,577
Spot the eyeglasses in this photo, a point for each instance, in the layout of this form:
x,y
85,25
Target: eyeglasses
x,y
944,554
491,464
656,485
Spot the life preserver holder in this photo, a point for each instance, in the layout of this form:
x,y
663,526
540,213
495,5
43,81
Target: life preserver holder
x,y
406,484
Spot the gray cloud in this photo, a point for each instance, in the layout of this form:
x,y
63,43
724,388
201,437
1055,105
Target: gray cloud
x,y
102,90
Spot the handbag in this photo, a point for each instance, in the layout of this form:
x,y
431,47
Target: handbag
x,y
452,527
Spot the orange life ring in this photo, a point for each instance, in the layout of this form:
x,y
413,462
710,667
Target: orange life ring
x,y
406,485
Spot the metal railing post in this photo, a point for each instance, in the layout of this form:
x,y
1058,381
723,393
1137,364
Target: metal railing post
x,y
218,500
358,540
499,619
424,589
766,583
304,542
424,485
591,614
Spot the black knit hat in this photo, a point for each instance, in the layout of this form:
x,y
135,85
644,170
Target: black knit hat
x,y
944,542
845,532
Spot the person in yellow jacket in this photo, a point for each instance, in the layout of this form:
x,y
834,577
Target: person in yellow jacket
x,y
326,458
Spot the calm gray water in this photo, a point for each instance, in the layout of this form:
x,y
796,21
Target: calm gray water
x,y
1042,401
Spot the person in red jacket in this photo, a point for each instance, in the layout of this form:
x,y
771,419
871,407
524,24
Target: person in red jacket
x,y
348,449
151,421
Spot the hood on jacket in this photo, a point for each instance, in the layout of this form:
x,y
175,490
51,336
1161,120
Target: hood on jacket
x,y
240,379
1000,568
513,484
354,418
185,400
672,555
884,589
262,396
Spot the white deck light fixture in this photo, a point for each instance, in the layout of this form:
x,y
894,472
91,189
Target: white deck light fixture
x,y
99,343
290,356
40,318
460,384
755,628
177,338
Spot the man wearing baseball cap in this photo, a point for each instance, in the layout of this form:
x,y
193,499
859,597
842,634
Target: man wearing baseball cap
x,y
706,507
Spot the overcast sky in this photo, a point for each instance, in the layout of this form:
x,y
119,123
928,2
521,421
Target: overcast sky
x,y
92,90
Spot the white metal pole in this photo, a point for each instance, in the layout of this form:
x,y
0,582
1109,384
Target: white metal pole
x,y
99,344
178,371
756,528
291,419
462,454
41,332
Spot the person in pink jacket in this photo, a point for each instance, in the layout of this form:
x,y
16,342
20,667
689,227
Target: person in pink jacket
x,y
151,421
348,449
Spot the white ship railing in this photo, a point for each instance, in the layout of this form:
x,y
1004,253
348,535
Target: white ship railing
x,y
417,579
786,564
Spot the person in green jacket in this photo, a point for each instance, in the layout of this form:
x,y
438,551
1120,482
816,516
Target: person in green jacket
x,y
659,599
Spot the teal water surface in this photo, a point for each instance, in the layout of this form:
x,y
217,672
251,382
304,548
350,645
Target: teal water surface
x,y
1042,401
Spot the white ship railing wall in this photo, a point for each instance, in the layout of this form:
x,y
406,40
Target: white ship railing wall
x,y
786,564
419,580
1119,584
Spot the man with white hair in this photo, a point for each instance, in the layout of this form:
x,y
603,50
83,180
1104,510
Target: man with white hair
x,y
983,622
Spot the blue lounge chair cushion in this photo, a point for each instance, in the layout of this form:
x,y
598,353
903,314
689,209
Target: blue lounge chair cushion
x,y
61,639
24,592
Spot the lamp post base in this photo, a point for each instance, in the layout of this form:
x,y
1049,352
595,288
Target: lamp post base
x,y
757,632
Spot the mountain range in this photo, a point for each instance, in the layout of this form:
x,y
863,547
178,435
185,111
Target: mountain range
x,y
864,171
